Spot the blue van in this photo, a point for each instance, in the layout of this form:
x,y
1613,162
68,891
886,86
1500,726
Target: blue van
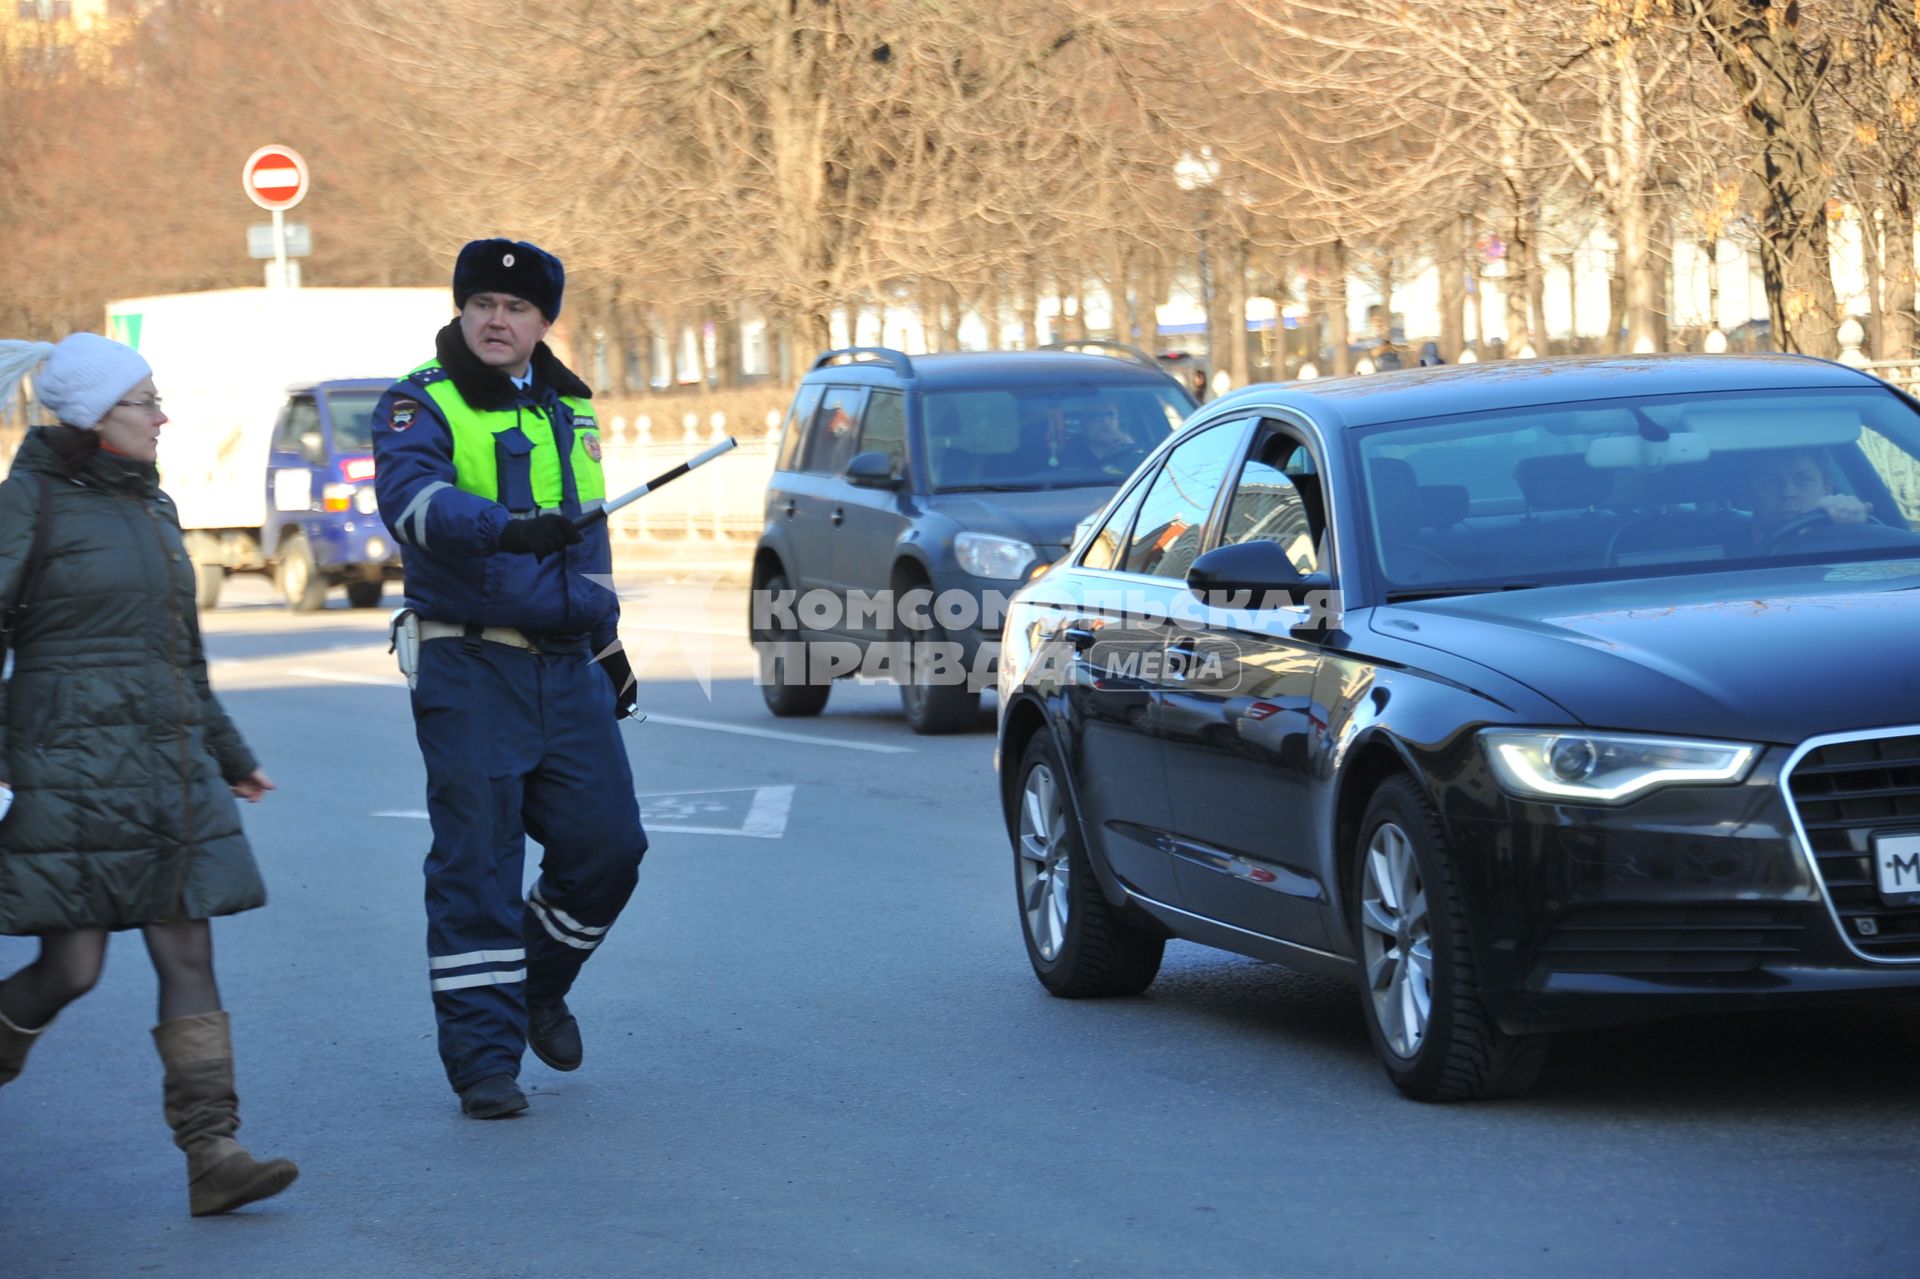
x,y
322,525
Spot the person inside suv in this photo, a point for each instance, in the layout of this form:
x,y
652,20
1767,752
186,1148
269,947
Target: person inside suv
x,y
1104,444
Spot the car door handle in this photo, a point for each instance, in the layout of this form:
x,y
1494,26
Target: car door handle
x,y
838,517
1080,637
790,508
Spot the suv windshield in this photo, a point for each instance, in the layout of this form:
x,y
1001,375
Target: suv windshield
x,y
1622,488
1045,437
352,413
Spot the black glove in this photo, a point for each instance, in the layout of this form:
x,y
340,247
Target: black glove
x,y
540,536
626,693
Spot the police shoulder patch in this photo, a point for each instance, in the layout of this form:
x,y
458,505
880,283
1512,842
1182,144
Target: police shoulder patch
x,y
590,441
401,415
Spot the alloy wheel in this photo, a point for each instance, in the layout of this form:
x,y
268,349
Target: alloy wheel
x,y
1396,940
1045,872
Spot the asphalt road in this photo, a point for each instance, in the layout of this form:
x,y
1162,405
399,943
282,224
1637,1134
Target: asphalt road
x,y
814,1047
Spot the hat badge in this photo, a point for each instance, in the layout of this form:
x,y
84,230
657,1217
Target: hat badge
x,y
507,260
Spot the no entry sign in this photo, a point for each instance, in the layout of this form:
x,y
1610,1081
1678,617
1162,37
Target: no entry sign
x,y
275,178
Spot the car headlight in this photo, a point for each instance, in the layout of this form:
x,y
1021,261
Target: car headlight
x,y
366,501
1001,558
1606,768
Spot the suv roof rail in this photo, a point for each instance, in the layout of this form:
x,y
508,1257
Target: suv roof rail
x,y
1103,346
873,354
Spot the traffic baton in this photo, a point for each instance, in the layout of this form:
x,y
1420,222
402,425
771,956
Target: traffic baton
x,y
665,477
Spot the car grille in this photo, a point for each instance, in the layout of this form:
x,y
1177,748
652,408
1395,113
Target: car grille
x,y
1671,939
1844,793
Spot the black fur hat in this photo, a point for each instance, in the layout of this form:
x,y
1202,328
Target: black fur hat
x,y
510,266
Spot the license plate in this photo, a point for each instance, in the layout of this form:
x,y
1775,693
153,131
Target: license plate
x,y
1896,859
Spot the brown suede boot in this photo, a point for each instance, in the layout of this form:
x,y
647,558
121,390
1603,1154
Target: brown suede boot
x,y
204,1113
15,1044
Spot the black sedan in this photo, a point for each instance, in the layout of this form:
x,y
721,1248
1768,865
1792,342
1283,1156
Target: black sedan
x,y
1531,695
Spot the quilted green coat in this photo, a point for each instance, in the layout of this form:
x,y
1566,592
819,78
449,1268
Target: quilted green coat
x,y
116,750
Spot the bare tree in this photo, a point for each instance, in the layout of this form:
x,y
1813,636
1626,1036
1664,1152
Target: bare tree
x,y
1757,44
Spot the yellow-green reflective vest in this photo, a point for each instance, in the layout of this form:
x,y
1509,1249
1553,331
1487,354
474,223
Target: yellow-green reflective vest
x,y
478,447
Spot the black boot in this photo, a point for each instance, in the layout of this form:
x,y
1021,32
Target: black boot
x,y
494,1097
553,1034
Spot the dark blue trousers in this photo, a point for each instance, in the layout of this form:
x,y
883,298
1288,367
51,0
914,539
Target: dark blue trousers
x,y
517,744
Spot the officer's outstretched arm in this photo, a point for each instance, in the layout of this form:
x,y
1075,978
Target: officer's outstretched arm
x,y
414,480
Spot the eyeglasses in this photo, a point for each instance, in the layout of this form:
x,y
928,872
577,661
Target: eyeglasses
x,y
151,406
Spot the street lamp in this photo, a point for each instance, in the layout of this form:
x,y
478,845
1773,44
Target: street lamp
x,y
1197,173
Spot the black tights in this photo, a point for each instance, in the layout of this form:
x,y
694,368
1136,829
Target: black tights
x,y
70,964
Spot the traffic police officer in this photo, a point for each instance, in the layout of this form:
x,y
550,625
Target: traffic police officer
x,y
485,456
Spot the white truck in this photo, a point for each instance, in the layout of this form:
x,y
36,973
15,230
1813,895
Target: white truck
x,y
268,451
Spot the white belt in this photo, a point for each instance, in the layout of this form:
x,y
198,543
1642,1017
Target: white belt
x,y
492,634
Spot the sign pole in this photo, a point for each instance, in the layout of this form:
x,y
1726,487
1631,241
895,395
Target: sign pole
x,y
275,178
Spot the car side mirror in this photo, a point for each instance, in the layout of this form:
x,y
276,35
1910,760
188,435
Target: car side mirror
x,y
872,470
1254,575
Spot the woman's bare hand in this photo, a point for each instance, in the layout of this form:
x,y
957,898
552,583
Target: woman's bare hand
x,y
252,786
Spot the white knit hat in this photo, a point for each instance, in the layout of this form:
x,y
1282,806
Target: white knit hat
x,y
85,374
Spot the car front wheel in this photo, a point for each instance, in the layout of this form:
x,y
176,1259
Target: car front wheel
x,y
935,697
1418,986
1079,945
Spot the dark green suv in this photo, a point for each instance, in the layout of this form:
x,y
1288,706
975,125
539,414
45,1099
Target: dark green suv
x,y
912,495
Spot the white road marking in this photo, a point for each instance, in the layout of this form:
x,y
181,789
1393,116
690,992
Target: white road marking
x,y
806,739
766,817
671,721
336,677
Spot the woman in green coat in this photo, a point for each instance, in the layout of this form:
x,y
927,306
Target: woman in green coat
x,y
118,769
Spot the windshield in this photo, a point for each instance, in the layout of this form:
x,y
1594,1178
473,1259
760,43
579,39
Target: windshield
x,y
1623,488
1045,437
352,413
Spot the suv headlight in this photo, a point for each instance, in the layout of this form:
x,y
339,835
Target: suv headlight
x,y
1000,558
1607,768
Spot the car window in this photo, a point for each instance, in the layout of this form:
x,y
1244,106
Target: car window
x,y
1899,469
352,415
793,433
1620,487
1045,436
836,428
299,431
884,430
1103,551
1173,516
1269,506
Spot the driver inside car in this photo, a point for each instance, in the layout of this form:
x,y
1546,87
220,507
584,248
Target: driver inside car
x,y
1104,445
1783,487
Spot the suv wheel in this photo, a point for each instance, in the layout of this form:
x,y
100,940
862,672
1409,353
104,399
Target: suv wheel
x,y
783,667
1419,990
930,706
1078,943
